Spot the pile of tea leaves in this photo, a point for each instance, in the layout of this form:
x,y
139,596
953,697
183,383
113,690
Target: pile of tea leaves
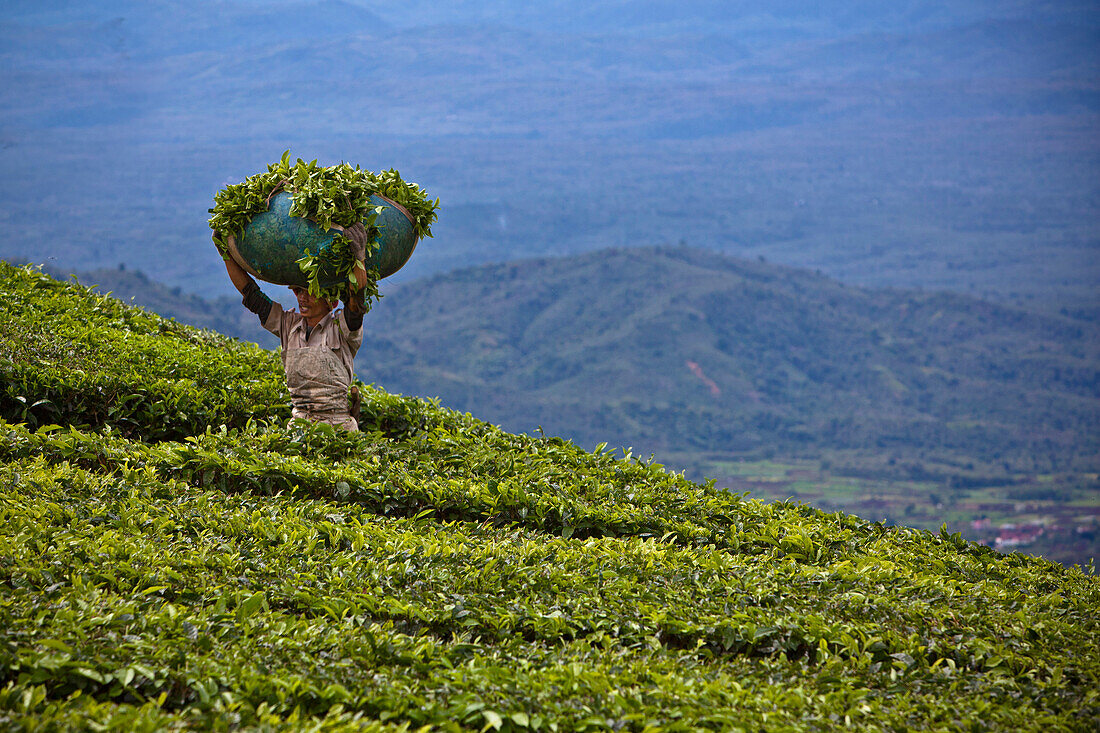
x,y
203,564
326,195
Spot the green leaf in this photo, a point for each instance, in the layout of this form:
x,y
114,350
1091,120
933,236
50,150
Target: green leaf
x,y
251,605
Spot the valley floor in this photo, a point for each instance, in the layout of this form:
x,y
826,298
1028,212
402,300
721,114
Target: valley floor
x,y
1052,516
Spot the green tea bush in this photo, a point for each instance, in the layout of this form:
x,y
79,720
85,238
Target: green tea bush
x,y
74,357
435,571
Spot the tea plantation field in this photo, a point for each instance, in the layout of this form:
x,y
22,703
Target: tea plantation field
x,y
174,554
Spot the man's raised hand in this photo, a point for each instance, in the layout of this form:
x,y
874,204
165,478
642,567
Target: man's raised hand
x,y
357,233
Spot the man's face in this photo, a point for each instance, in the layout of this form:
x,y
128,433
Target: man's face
x,y
309,306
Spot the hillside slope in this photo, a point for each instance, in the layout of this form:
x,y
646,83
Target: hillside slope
x,y
679,349
689,353
172,554
223,314
988,500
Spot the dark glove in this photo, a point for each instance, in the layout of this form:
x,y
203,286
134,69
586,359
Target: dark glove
x,y
357,233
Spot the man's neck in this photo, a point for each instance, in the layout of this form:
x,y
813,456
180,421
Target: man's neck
x,y
312,321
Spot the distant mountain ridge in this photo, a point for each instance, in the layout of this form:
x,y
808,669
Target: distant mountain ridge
x,y
807,18
682,350
911,144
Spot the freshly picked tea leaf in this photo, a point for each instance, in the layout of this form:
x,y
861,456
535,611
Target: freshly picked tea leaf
x,y
326,195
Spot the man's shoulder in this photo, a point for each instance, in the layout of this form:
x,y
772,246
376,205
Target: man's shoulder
x,y
280,320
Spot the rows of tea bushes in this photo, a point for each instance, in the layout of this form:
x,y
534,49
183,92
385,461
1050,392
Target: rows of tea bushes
x,y
72,356
132,588
436,571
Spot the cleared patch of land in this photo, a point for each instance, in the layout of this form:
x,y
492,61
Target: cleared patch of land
x,y
1056,516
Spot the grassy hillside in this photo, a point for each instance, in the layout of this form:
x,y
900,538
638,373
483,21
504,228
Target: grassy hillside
x,y
175,555
222,314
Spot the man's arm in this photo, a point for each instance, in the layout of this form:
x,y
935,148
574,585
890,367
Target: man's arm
x,y
354,310
362,280
251,296
241,279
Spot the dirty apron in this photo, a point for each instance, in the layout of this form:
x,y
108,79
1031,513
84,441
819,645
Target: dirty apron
x,y
318,382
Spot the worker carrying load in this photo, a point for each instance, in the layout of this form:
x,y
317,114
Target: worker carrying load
x,y
329,233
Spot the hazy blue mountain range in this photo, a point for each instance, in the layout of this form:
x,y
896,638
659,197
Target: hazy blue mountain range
x,y
910,144
684,352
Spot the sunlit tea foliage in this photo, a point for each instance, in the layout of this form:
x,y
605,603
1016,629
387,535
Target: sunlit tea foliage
x,y
175,553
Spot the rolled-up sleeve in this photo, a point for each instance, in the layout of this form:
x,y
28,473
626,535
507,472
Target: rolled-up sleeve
x,y
353,319
254,300
274,320
353,335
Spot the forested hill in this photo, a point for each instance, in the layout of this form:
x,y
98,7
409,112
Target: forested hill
x,y
174,555
682,349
